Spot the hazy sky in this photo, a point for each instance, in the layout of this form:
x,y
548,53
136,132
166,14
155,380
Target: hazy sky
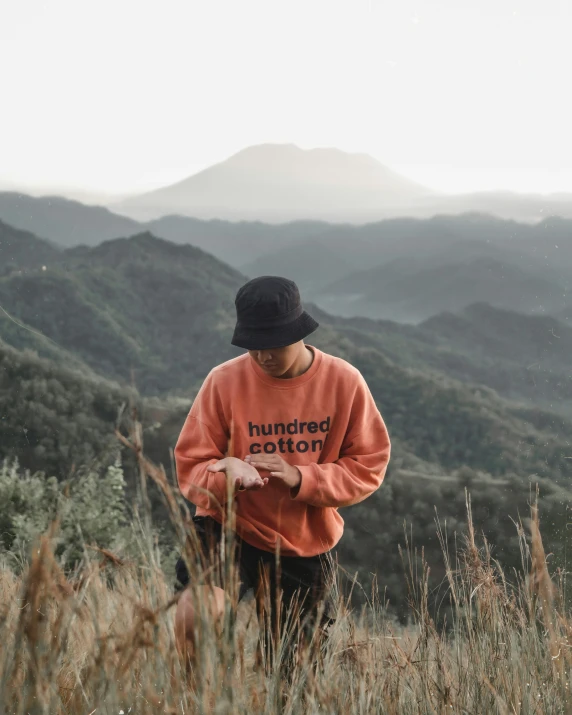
x,y
117,96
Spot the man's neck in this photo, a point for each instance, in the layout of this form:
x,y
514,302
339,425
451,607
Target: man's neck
x,y
302,364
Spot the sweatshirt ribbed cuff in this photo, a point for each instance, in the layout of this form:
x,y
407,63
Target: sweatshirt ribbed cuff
x,y
309,486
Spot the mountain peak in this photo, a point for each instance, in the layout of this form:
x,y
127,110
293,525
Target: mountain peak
x,y
321,160
282,183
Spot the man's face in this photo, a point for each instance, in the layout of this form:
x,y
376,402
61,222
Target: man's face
x,y
277,362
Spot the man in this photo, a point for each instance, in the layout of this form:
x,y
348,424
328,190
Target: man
x,y
275,442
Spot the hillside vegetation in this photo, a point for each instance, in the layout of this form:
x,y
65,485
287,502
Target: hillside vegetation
x,y
66,222
315,253
159,315
162,314
411,293
21,250
138,308
101,637
524,358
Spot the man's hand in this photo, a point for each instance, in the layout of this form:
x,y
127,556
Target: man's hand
x,y
244,475
277,467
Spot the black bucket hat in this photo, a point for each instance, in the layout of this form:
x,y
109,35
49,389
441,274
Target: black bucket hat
x,y
269,314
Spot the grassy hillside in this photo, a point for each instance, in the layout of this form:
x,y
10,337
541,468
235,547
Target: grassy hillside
x,y
104,636
476,639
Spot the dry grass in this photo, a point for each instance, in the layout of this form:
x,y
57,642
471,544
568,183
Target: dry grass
x,y
103,643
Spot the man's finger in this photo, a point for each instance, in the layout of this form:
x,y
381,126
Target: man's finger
x,y
264,463
257,485
217,466
262,458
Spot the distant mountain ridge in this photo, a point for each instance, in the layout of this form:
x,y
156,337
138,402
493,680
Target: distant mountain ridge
x,y
164,313
402,269
494,334
282,183
70,223
278,183
67,222
402,291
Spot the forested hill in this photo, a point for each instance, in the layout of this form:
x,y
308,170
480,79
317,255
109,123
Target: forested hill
x,y
412,293
53,417
139,308
401,269
66,222
160,315
524,358
59,420
21,250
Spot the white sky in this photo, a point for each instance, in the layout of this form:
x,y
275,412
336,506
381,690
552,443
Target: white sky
x,y
116,96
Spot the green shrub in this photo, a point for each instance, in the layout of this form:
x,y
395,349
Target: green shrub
x,y
90,509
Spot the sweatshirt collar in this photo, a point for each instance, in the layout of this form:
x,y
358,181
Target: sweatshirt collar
x,y
291,382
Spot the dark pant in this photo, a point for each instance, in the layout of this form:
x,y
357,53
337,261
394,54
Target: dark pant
x,y
291,592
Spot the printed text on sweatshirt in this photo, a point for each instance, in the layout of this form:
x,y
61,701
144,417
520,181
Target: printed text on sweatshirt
x,y
325,422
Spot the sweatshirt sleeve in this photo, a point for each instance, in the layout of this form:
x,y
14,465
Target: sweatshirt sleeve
x,y
362,463
203,441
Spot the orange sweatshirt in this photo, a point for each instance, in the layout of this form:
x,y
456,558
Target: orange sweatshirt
x,y
325,422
